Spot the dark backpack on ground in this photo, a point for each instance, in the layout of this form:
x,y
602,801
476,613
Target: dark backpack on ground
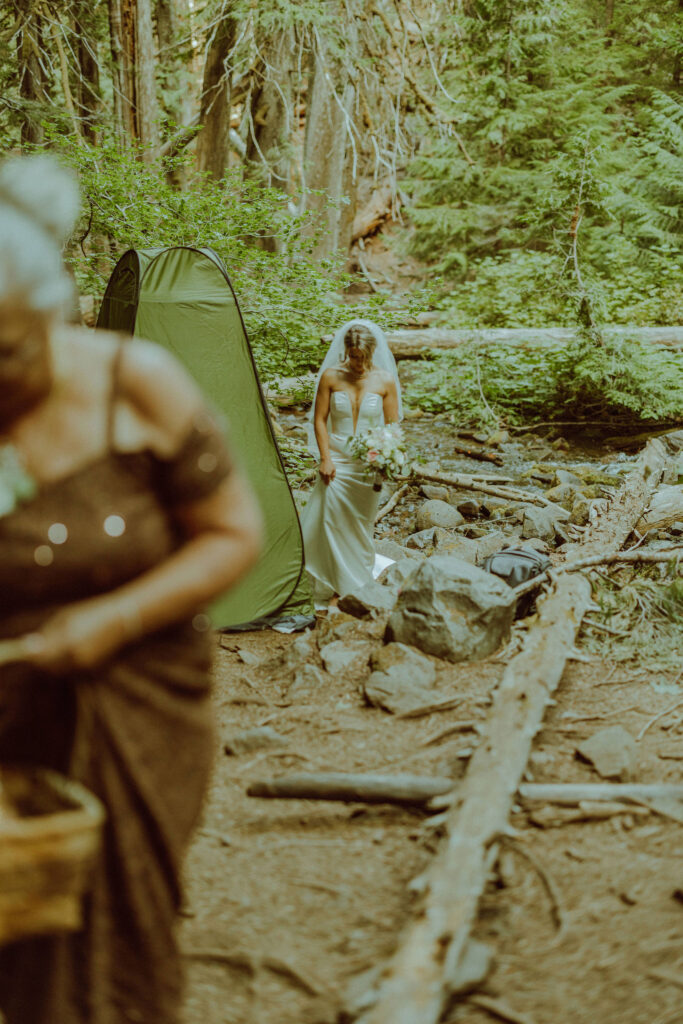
x,y
516,566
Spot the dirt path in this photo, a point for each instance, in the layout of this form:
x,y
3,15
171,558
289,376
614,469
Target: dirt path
x,y
288,900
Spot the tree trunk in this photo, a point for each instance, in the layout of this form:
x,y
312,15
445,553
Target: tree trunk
x,y
330,153
145,80
33,77
133,72
88,99
678,58
270,138
213,142
123,65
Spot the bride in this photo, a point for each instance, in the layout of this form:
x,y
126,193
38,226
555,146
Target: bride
x,y
357,390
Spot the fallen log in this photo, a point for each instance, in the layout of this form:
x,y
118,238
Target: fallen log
x,y
413,790
412,344
477,453
418,980
470,483
665,509
403,790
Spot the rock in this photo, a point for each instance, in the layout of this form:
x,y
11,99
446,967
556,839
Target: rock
x,y
453,610
438,513
394,575
300,651
435,492
307,679
422,541
392,549
343,657
489,544
457,546
580,515
403,679
248,657
498,437
665,508
536,544
474,967
467,507
262,738
489,505
564,476
542,522
372,599
612,752
563,494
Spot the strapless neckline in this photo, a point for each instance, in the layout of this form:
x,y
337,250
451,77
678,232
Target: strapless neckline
x,y
340,391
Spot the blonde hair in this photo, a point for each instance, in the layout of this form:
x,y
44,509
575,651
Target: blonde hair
x,y
39,203
361,338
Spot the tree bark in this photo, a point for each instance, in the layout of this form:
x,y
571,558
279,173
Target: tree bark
x,y
330,151
213,142
269,143
33,77
133,73
88,98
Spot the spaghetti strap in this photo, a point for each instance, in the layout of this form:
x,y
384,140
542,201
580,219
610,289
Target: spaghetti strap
x,y
115,371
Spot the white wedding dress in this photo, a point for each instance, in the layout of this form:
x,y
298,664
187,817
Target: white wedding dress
x,y
338,521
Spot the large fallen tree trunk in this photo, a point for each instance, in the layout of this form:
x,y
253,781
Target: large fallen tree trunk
x,y
417,983
411,344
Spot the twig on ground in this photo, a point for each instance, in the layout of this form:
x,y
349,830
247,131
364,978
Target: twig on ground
x,y
431,709
497,1008
392,502
449,731
549,883
657,717
251,963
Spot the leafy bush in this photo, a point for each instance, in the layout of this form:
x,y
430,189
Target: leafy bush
x,y
628,383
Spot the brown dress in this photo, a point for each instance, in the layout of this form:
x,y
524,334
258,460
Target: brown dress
x,y
137,732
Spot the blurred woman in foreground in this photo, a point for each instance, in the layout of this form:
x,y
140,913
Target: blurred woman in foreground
x,y
121,515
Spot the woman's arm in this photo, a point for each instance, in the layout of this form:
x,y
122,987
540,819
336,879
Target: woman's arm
x,y
222,537
320,414
390,402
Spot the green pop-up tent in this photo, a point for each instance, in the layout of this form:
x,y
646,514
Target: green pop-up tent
x,y
182,298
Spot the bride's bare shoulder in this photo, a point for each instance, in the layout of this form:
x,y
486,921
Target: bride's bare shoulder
x,y
331,376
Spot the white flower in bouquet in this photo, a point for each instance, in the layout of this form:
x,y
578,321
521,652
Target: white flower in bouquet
x,y
381,450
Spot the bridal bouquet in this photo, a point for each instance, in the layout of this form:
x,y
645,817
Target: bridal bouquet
x,y
382,452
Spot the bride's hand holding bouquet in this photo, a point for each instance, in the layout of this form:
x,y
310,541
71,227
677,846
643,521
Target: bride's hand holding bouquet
x,y
381,451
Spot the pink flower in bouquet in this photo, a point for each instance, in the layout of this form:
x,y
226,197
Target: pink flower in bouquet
x,y
372,455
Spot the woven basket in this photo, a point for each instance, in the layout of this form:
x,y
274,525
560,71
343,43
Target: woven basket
x,y
46,853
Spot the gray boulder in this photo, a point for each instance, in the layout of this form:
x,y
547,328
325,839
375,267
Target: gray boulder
x,y
343,657
307,680
489,544
372,599
457,546
438,513
434,492
392,549
453,610
402,680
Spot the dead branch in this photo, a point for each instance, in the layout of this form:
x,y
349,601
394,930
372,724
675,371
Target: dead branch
x,y
623,557
252,963
392,502
418,979
499,1009
469,483
477,453
402,789
550,885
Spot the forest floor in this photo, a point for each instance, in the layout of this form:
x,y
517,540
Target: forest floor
x,y
288,900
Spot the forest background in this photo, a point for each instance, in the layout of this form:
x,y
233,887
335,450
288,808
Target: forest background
x,y
529,152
